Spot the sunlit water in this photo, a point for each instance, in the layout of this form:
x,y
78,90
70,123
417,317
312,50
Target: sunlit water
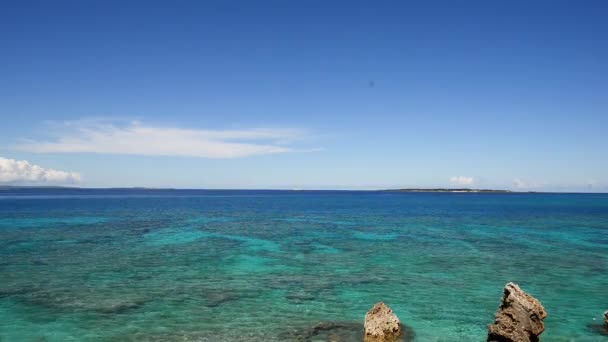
x,y
269,266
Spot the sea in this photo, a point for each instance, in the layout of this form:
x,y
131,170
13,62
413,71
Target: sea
x,y
253,265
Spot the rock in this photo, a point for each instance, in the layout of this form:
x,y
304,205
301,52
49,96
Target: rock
x,y
519,317
381,324
606,319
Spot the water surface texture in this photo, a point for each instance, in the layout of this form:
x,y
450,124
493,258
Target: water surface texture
x,y
137,265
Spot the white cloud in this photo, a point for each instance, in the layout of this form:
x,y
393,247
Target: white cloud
x,y
21,171
461,180
520,184
135,138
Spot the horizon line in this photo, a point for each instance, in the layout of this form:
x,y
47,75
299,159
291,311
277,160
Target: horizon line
x,y
394,190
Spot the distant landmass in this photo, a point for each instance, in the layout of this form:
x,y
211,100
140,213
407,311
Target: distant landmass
x,y
29,188
59,187
448,190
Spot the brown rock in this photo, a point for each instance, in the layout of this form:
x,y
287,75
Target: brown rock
x,y
381,324
519,317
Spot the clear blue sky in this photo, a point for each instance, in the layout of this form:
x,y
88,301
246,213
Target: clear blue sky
x,y
306,94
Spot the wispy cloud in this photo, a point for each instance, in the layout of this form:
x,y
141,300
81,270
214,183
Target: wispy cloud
x,y
461,180
136,138
23,172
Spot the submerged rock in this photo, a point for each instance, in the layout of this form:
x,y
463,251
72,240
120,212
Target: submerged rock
x,y
599,329
118,307
67,300
519,317
602,328
299,297
15,291
381,324
337,332
325,331
218,297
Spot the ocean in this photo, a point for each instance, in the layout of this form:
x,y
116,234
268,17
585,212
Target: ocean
x,y
215,265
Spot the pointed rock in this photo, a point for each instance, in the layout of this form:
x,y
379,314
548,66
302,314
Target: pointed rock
x,y
519,317
381,324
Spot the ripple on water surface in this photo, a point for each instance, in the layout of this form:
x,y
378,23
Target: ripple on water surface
x,y
271,268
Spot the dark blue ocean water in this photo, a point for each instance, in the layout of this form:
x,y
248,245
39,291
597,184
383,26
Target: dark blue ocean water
x,y
189,265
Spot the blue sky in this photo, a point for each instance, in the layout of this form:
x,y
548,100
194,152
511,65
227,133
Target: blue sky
x,y
305,94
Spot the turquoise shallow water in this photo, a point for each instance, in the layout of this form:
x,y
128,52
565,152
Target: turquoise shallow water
x,y
268,266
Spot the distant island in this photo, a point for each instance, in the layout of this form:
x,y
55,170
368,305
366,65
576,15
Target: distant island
x,y
448,190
